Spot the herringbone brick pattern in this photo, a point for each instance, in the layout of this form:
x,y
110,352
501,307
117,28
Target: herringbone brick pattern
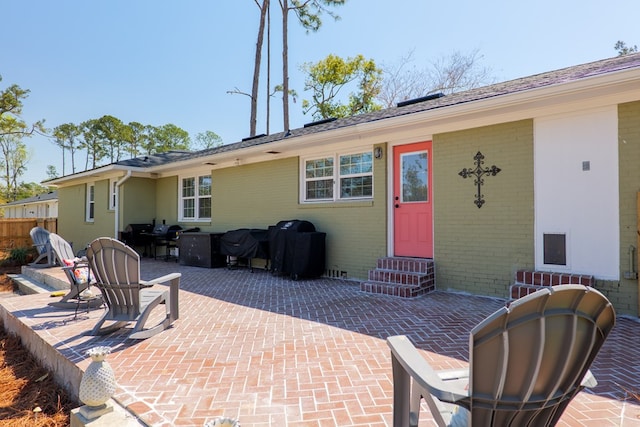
x,y
275,352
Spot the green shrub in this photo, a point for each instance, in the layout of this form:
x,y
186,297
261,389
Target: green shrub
x,y
19,255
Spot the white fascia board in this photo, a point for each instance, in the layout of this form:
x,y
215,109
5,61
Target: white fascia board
x,y
105,172
583,94
295,145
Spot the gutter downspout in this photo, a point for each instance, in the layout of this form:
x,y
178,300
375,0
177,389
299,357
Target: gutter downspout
x,y
116,221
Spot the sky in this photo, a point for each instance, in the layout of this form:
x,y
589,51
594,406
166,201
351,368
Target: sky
x,y
159,61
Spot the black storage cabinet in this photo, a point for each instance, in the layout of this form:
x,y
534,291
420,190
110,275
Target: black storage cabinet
x,y
200,250
297,249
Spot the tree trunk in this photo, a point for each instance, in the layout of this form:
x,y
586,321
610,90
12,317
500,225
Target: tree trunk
x,y
63,156
256,69
7,174
268,67
285,66
72,152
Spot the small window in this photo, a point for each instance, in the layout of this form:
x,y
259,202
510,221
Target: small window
x,y
112,193
555,249
195,198
91,202
352,179
414,177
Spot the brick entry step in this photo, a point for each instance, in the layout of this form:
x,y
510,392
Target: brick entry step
x,y
401,277
528,282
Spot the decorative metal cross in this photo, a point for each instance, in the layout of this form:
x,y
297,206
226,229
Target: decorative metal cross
x,y
478,172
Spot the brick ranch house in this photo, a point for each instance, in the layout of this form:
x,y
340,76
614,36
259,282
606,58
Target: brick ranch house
x,y
527,182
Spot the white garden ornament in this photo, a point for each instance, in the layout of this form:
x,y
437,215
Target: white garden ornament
x,y
222,422
98,382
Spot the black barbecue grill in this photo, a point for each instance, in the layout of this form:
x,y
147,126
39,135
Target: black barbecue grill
x,y
164,236
150,237
138,235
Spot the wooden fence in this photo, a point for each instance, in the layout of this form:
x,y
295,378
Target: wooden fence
x,y
14,232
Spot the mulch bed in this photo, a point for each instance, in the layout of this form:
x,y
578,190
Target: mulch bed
x,y
6,284
29,396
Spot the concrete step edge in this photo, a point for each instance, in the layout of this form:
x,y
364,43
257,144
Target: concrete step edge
x,y
29,286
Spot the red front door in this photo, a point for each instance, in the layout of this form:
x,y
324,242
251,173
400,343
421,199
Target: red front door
x,y
412,194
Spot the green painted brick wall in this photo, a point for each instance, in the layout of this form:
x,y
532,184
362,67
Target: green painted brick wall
x,y
71,214
478,250
262,194
624,294
255,195
250,196
166,201
138,200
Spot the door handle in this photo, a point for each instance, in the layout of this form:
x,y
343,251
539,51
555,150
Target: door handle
x,y
397,206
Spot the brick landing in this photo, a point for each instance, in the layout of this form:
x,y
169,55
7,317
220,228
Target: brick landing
x,y
527,282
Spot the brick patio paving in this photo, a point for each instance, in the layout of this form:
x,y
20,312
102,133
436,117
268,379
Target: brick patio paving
x,y
275,352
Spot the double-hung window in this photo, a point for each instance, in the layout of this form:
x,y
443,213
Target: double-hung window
x,y
90,202
338,177
195,198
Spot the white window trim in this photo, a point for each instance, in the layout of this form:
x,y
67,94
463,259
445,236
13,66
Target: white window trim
x,y
112,193
336,176
181,216
89,202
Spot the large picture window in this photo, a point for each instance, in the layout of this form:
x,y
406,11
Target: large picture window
x,y
352,178
195,198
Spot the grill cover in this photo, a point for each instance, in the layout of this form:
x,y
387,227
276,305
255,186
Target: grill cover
x,y
282,244
245,243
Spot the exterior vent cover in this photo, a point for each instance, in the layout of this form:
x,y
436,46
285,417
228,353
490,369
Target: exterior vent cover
x,y
249,138
320,122
422,99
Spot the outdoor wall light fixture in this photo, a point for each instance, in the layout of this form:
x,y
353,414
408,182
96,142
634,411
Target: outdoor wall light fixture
x,y
377,152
